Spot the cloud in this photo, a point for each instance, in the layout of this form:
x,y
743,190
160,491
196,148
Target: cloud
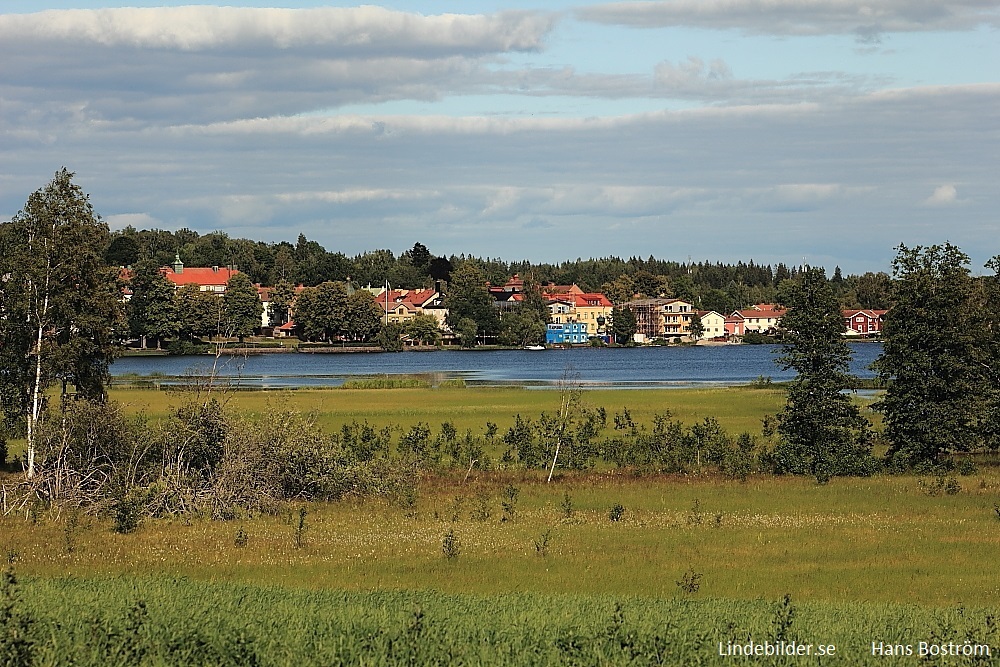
x,y
847,175
863,18
204,64
942,196
355,32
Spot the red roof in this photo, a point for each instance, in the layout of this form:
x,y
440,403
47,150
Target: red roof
x,y
203,277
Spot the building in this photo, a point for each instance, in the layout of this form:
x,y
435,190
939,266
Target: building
x,y
661,318
863,323
208,279
567,332
713,324
764,318
401,305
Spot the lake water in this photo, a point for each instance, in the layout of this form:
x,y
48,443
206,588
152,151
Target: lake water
x,y
644,367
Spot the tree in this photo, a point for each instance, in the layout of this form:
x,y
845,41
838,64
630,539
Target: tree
x,y
823,433
440,268
623,325
152,311
198,313
282,296
696,328
468,298
467,331
620,290
933,357
61,317
522,327
123,250
242,308
362,316
389,337
320,311
420,256
423,329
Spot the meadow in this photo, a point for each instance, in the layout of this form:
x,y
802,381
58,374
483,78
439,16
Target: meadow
x,y
500,567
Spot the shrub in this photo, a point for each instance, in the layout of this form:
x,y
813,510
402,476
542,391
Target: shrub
x,y
450,545
616,512
509,503
690,581
542,543
128,512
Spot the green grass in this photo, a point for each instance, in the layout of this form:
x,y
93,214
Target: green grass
x,y
159,620
876,540
862,559
737,409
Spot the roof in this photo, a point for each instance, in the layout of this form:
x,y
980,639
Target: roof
x,y
760,313
549,288
203,276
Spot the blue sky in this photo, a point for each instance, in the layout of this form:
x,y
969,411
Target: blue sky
x,y
824,130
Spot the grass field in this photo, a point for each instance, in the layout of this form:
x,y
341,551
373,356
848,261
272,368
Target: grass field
x,y
738,408
692,560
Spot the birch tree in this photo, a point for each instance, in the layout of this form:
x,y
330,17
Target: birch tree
x,y
61,315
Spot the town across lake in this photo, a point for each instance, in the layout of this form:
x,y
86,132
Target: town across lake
x,y
641,367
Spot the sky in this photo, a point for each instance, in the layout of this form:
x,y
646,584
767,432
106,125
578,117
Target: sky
x,y
818,131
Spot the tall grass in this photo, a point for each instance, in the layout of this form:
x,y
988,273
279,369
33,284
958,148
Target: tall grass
x,y
880,540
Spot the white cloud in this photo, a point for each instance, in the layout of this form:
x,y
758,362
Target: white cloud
x,y
863,18
359,30
203,64
942,196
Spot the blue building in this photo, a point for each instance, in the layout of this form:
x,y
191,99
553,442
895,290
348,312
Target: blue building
x,y
567,332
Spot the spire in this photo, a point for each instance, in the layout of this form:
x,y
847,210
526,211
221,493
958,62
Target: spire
x,y
178,264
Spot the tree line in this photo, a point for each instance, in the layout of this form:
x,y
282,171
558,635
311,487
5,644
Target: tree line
x,y
711,286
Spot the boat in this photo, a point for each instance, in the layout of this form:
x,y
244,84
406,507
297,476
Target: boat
x,y
534,347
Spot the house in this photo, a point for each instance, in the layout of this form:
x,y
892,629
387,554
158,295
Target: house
x,y
402,305
594,310
863,323
734,325
713,324
208,279
568,332
764,318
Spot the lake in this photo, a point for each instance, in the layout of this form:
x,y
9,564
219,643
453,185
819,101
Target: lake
x,y
642,367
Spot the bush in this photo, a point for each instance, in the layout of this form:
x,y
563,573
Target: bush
x,y
128,512
450,546
186,347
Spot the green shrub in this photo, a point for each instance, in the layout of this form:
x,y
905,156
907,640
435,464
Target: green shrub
x,y
450,546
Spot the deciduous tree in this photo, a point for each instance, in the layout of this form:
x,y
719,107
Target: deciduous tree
x,y
242,307
152,311
623,325
933,356
823,433
469,298
61,317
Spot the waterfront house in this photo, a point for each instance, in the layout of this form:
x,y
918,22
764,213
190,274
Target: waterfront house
x,y
567,332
